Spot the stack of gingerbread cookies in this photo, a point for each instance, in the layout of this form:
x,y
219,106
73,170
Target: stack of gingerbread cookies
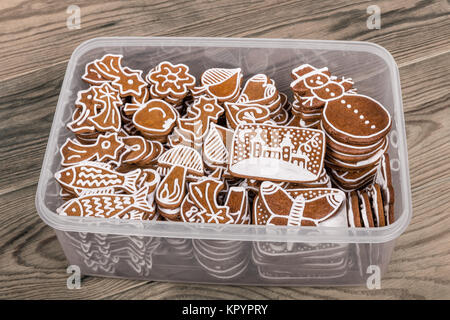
x,y
227,151
356,144
312,89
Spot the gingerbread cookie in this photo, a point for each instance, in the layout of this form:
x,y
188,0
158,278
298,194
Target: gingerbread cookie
x,y
107,147
222,84
170,82
108,119
313,89
150,178
238,113
307,69
201,206
102,70
107,204
185,157
90,175
353,210
355,163
109,69
366,209
136,149
259,89
217,145
201,114
296,207
155,118
171,190
311,81
86,108
268,152
354,147
353,177
350,149
376,200
130,83
97,110
281,118
237,202
151,159
383,178
356,119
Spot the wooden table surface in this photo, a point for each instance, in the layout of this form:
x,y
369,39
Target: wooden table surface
x,y
36,46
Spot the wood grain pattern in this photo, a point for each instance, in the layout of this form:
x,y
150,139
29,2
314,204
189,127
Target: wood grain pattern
x,y
36,48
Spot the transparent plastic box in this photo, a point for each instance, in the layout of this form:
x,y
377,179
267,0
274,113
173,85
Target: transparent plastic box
x,y
231,254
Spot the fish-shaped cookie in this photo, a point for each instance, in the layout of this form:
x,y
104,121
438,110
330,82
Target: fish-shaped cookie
x,y
90,175
107,204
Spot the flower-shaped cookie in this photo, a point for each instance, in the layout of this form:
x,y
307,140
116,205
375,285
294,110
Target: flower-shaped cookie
x,y
170,82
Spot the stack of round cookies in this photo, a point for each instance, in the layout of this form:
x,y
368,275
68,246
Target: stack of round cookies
x,y
355,127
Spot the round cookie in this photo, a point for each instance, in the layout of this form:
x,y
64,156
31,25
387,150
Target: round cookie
x,y
356,119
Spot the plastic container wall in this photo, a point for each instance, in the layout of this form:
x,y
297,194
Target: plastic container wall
x,y
231,254
225,262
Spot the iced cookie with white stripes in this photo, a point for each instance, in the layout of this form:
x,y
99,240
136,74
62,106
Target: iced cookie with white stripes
x,y
106,203
220,83
90,176
299,207
201,203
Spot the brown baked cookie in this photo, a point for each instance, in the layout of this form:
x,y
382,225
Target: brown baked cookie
x,y
352,177
185,157
277,153
356,119
238,113
106,148
194,126
108,204
109,69
353,210
222,84
107,117
366,209
156,118
200,205
338,146
217,145
297,207
136,149
383,177
352,158
170,82
376,199
88,176
171,191
238,203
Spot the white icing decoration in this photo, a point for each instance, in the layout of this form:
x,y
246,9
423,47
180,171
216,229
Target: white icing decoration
x,y
277,160
380,132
